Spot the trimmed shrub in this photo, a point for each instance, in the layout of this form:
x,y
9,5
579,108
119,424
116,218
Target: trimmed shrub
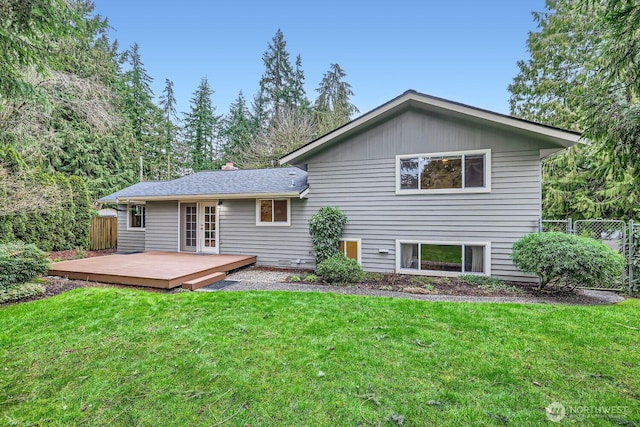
x,y
21,291
340,269
566,260
20,263
325,228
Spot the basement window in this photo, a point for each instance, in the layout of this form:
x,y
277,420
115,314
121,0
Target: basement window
x,y
443,258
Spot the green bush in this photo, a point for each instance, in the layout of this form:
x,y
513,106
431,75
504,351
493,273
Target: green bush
x,y
21,291
20,263
340,269
325,228
566,260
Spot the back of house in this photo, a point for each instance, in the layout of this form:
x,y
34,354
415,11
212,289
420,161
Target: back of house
x,y
429,186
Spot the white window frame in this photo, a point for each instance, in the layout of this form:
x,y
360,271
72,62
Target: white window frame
x,y
487,258
358,241
273,223
487,173
144,217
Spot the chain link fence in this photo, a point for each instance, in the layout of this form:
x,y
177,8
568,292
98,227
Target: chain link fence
x,y
617,234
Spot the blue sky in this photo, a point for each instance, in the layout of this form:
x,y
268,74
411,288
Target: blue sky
x,y
464,50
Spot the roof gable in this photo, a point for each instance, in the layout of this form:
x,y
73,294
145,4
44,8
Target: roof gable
x,y
562,138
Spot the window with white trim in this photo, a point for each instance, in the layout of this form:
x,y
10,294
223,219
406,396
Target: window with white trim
x,y
443,258
459,171
351,248
273,212
136,216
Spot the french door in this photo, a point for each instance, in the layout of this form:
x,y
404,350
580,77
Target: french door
x,y
208,236
199,227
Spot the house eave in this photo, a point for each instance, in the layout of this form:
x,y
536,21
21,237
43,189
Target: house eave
x,y
198,197
411,99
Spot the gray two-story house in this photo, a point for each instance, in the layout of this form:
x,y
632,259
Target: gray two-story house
x,y
429,186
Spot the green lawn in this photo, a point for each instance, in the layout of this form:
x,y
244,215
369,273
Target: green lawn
x,y
119,357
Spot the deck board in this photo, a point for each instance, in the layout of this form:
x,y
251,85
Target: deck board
x,y
154,269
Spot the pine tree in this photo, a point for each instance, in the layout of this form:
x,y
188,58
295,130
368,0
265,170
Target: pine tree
x,y
27,30
277,82
146,118
333,105
239,129
170,126
298,95
201,127
139,102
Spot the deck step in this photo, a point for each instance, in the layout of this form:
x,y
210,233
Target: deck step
x,y
203,281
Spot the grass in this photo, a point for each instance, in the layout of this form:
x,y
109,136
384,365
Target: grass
x,y
120,357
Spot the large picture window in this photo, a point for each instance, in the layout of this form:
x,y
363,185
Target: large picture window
x,y
443,258
137,217
273,212
444,172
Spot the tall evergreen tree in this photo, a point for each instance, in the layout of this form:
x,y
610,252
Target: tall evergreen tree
x,y
298,94
277,85
27,30
558,86
146,118
333,105
139,101
202,127
170,126
239,129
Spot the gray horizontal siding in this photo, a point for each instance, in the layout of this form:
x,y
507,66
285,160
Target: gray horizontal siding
x,y
378,216
359,177
128,240
286,246
162,226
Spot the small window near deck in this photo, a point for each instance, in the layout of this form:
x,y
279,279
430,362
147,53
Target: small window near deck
x,y
350,248
272,212
137,216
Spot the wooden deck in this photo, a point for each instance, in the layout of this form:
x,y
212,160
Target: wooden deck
x,y
153,269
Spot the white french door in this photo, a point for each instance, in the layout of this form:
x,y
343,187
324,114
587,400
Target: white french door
x,y
208,227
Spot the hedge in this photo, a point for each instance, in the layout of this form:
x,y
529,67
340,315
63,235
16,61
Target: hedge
x,y
20,263
66,227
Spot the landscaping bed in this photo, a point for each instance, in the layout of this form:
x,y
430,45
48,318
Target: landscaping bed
x,y
79,253
426,285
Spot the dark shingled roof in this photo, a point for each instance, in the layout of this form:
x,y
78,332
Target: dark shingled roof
x,y
250,181
134,190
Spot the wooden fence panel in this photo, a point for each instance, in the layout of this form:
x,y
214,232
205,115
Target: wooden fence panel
x,y
103,233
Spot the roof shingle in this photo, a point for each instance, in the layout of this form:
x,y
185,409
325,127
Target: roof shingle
x,y
230,182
